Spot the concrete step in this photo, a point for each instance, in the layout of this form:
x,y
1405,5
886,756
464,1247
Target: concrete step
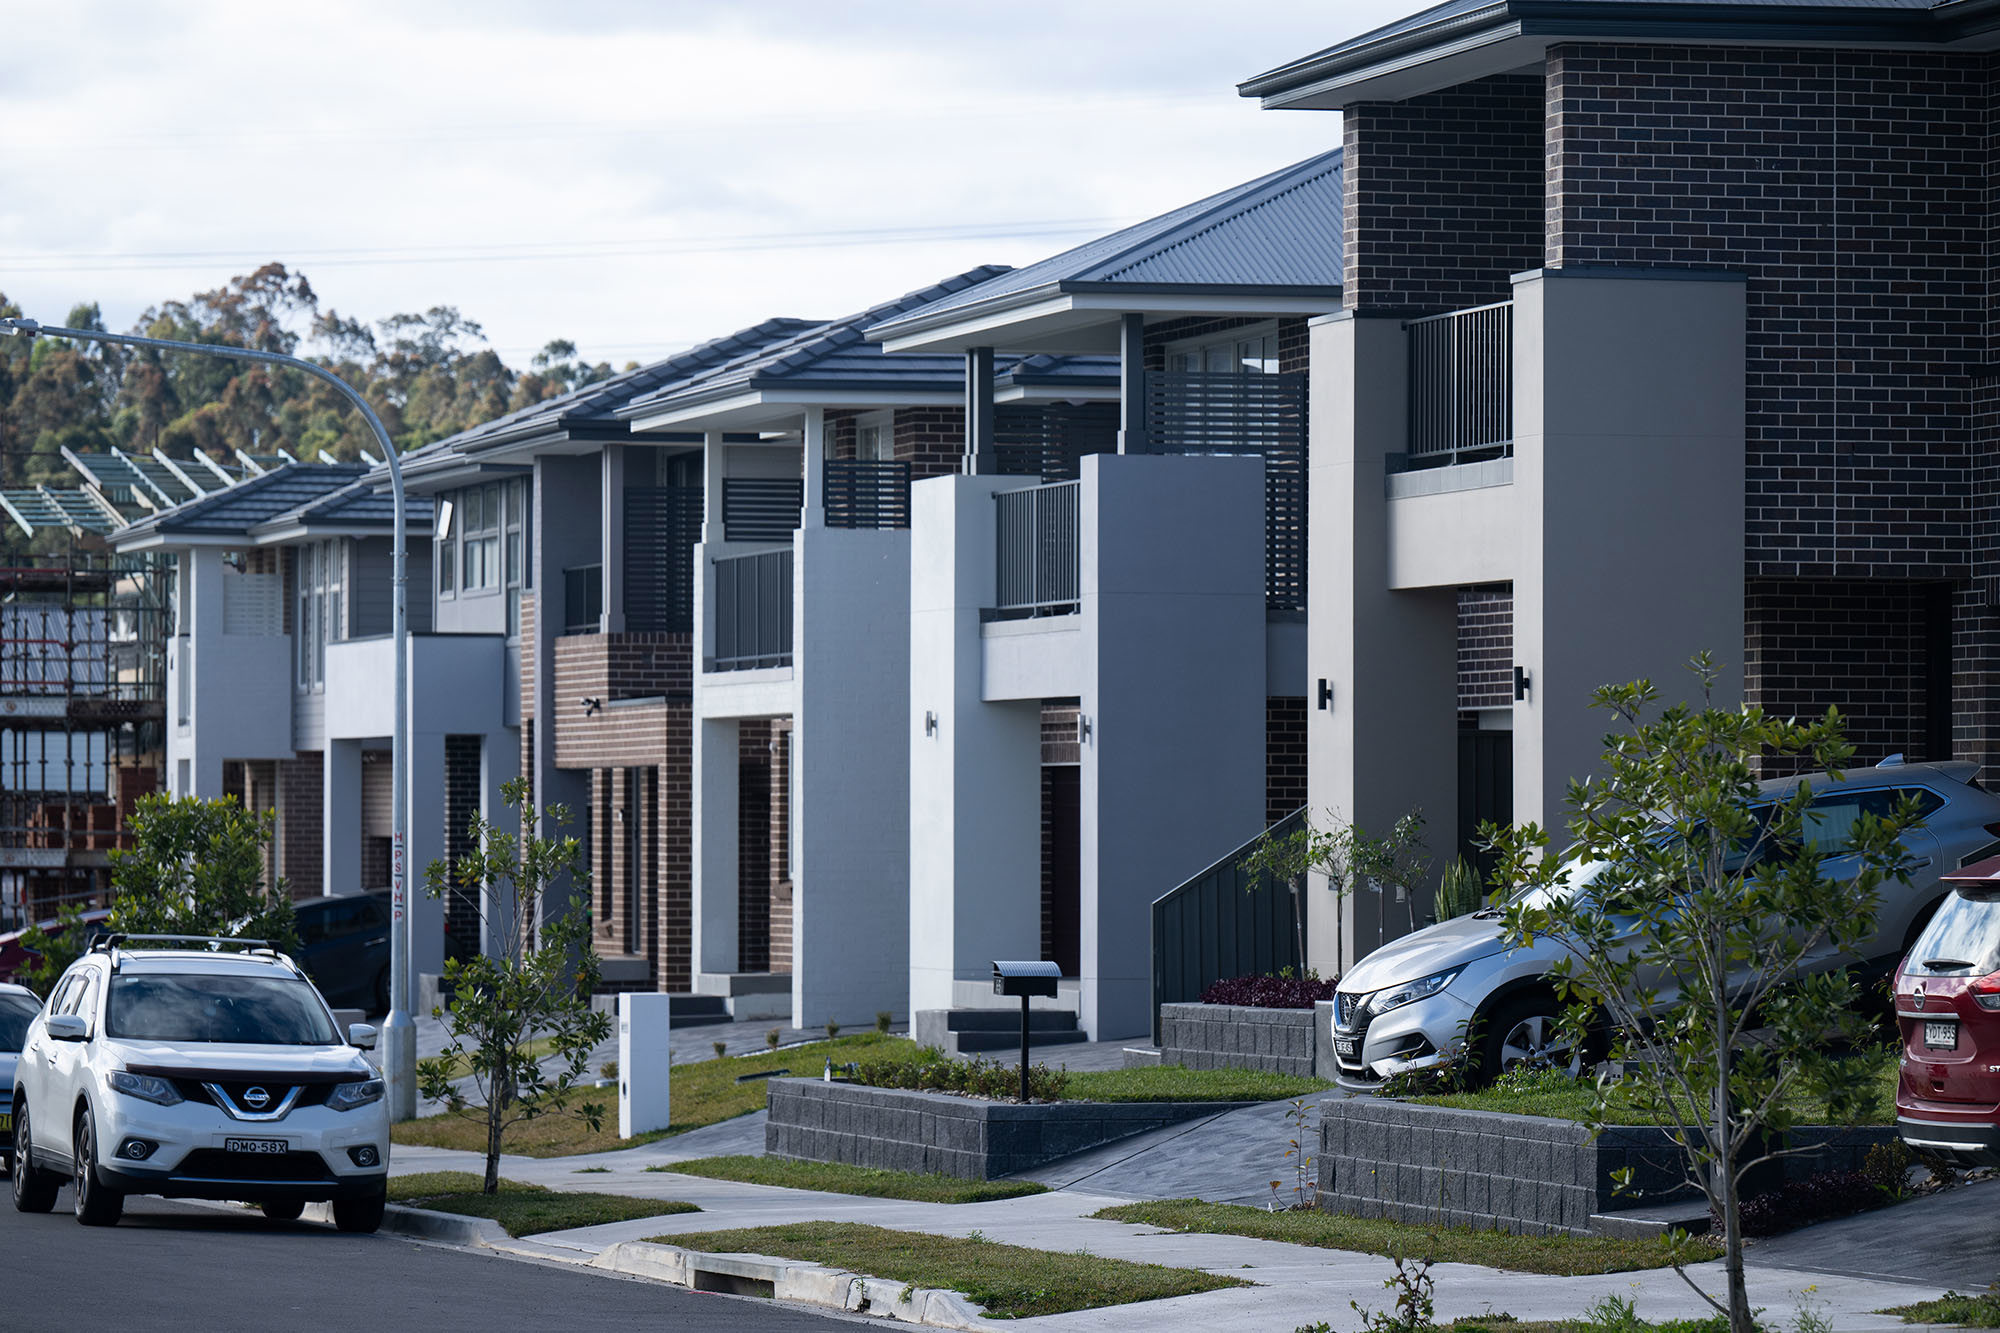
x,y
983,1043
697,1010
1689,1215
1008,1020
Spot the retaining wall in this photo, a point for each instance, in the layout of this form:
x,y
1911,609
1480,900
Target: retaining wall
x,y
1525,1174
966,1137
1233,1036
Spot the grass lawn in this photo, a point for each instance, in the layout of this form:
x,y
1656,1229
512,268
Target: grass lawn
x,y
1010,1281
835,1178
704,1093
1567,1099
1980,1311
1561,1256
524,1210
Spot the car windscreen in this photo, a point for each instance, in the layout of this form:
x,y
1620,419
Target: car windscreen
x,y
16,1012
1963,939
252,1011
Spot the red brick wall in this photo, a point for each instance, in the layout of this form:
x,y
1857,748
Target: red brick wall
x,y
612,667
300,815
931,440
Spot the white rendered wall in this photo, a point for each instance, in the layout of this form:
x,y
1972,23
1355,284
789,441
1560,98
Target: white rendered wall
x,y
975,782
850,775
1628,463
1173,771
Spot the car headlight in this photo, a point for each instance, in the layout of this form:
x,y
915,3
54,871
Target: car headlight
x,y
1395,997
146,1087
347,1096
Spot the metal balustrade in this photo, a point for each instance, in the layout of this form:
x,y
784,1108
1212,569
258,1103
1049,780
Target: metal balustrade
x,y
1037,550
1461,386
753,611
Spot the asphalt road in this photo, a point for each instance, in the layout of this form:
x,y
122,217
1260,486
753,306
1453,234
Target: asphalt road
x,y
174,1266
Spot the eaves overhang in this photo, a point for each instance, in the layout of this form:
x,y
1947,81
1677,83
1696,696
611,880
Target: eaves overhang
x,y
287,530
741,409
1080,317
1511,35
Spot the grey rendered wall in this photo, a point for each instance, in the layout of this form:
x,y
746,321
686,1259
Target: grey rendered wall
x,y
1628,463
1385,740
1172,773
566,496
851,773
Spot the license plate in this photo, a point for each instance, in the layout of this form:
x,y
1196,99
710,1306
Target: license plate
x,y
253,1145
1943,1036
1347,1048
6,1123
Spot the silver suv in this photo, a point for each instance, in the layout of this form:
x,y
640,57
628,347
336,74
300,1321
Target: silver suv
x,y
1408,1005
211,1070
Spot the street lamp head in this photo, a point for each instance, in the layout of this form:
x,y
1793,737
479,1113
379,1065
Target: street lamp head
x,y
19,328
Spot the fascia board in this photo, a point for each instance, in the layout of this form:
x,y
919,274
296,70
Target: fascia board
x,y
1056,393
961,327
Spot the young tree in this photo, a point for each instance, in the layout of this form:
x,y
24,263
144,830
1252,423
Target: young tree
x,y
528,1001
1350,857
197,868
1685,909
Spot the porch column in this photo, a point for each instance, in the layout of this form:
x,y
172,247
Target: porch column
x,y
712,470
979,412
1132,384
612,555
340,817
717,845
814,462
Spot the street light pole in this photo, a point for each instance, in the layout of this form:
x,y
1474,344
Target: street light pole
x,y
399,1037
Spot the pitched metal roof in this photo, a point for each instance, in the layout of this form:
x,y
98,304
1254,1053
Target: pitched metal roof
x,y
1458,27
361,503
1281,231
247,504
837,356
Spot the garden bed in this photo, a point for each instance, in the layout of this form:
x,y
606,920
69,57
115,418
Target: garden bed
x,y
1422,1164
971,1138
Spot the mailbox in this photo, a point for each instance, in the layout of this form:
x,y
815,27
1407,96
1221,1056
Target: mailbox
x,y
1026,979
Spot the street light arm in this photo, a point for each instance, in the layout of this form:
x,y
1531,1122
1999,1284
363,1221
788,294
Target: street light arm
x,y
399,1035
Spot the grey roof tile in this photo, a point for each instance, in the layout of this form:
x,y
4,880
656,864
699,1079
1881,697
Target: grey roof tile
x,y
248,503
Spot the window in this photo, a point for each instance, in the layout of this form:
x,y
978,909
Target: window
x,y
447,549
875,438
515,540
479,539
1252,350
319,582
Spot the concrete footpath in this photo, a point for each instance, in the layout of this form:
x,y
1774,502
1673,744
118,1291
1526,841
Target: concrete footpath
x,y
1295,1284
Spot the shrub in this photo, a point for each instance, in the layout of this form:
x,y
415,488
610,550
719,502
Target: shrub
x,y
1816,1198
1267,992
974,1078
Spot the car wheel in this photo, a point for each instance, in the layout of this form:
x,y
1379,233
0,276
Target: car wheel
x,y
97,1205
283,1210
34,1188
362,1214
1525,1031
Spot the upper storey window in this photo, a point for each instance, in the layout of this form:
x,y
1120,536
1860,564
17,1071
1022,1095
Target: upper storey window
x,y
1251,350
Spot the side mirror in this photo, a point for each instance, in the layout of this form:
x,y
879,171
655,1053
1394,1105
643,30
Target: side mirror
x,y
362,1035
68,1027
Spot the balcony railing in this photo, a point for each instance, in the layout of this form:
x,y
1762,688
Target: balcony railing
x,y
1037,550
761,509
753,611
662,524
867,493
1462,386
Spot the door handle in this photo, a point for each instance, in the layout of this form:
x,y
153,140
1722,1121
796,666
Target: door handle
x,y
1919,865
379,939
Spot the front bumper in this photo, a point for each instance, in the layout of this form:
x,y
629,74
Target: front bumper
x,y
1424,1034
191,1158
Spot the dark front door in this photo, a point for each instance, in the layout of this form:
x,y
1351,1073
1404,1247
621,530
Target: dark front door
x,y
1485,789
1062,867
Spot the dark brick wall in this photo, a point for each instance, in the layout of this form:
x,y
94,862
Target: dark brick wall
x,y
753,857
778,918
931,440
1060,742
1486,646
1850,187
301,816
1284,756
1294,354
461,803
1443,196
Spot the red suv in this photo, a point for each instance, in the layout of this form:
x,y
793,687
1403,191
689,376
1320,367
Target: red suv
x,y
1948,1010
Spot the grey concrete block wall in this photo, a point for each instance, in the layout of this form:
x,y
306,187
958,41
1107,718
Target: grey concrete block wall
x,y
1525,1174
966,1137
1231,1036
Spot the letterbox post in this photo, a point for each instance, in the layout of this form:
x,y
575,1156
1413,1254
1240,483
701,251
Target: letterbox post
x,y
1025,980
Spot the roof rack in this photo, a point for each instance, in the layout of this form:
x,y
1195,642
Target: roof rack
x,y
114,943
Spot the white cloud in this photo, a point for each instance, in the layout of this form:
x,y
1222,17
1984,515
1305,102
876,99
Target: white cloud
x,y
599,161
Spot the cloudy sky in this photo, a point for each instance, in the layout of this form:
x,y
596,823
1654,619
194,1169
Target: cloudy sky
x,y
633,176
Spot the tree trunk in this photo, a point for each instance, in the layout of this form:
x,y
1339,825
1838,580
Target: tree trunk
x,y
492,1185
1740,1318
1299,921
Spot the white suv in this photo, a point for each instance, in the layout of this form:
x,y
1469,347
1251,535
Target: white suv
x,y
197,1073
